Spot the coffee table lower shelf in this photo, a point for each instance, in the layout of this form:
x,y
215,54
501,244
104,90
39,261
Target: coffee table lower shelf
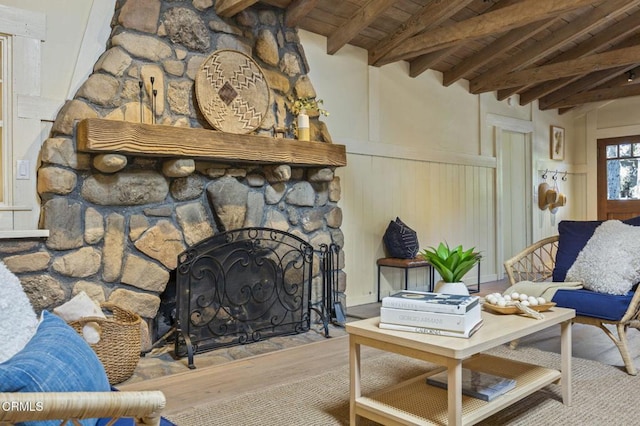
x,y
416,402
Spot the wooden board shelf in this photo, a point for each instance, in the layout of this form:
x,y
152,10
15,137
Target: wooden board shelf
x,y
111,136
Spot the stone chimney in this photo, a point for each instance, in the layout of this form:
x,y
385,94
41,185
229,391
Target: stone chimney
x,y
118,221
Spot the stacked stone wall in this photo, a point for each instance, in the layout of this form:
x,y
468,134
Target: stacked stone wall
x,y
117,223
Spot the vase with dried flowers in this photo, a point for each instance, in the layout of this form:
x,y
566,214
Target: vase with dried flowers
x,y
301,108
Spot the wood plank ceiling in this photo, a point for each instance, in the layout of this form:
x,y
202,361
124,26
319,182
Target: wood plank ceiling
x,y
562,53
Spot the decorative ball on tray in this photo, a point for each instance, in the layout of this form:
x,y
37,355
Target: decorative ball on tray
x,y
515,303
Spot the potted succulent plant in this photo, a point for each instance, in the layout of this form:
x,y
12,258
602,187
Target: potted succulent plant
x,y
451,265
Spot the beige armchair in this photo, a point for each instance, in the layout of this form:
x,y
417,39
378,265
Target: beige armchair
x,y
536,263
144,407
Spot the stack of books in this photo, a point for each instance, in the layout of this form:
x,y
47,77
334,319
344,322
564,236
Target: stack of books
x,y
431,313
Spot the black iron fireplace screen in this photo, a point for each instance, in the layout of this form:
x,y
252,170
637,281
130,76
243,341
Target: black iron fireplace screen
x,y
242,286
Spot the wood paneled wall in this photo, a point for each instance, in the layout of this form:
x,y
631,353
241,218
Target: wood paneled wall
x,y
442,202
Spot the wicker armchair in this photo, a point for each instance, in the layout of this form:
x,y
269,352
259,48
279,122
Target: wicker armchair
x,y
68,407
536,263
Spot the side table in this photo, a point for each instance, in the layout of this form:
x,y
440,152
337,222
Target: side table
x,y
406,264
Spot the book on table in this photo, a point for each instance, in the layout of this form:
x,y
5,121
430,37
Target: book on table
x,y
436,320
484,386
432,331
431,302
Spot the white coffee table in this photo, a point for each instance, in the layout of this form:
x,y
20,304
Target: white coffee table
x,y
415,402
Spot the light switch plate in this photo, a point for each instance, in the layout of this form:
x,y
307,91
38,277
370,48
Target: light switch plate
x,y
22,172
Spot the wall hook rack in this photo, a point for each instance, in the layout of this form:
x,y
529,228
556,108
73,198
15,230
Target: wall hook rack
x,y
546,172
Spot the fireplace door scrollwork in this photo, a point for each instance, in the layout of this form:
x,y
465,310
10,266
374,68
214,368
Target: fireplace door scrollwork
x,y
242,286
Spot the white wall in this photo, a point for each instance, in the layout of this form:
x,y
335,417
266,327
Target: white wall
x,y
43,66
416,149
66,22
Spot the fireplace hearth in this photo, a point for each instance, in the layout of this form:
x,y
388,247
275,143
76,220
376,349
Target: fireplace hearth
x,y
131,175
249,284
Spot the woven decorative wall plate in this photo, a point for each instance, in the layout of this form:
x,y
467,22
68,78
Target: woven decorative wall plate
x,y
232,92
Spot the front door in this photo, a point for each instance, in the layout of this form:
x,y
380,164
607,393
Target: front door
x,y
618,178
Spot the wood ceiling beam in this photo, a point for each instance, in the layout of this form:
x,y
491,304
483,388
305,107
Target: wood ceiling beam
x,y
578,66
540,90
598,95
430,16
297,11
611,81
359,21
282,4
505,19
229,8
422,63
581,85
607,12
611,35
579,27
493,50
627,78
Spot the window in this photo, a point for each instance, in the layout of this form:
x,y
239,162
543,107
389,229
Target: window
x,y
22,119
5,89
622,171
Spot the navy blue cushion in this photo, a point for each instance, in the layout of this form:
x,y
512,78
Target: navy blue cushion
x,y
56,359
573,236
130,422
593,304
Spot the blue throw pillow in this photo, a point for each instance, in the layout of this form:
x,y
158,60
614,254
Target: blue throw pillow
x,y
56,359
131,422
573,236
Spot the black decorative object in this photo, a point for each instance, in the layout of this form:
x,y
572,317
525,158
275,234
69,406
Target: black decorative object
x,y
140,85
242,286
153,101
400,240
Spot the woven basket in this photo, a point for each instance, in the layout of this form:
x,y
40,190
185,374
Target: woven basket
x,y
119,345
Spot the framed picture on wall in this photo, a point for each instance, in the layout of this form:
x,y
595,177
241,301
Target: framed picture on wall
x,y
557,143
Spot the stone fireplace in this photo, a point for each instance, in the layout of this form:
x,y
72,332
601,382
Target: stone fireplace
x,y
132,174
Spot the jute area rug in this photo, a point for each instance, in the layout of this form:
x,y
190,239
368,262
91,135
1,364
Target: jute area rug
x,y
602,395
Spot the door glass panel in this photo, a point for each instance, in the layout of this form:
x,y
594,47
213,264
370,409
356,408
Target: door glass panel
x,y
623,179
622,171
625,150
618,177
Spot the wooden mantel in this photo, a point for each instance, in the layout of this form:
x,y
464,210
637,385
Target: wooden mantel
x,y
111,136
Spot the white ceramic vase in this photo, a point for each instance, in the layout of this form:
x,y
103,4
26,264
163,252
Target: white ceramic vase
x,y
452,288
303,126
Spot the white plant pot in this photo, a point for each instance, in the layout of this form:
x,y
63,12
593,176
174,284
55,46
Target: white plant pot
x,y
452,288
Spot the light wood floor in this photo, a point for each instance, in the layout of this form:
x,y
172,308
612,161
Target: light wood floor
x,y
199,386
190,389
